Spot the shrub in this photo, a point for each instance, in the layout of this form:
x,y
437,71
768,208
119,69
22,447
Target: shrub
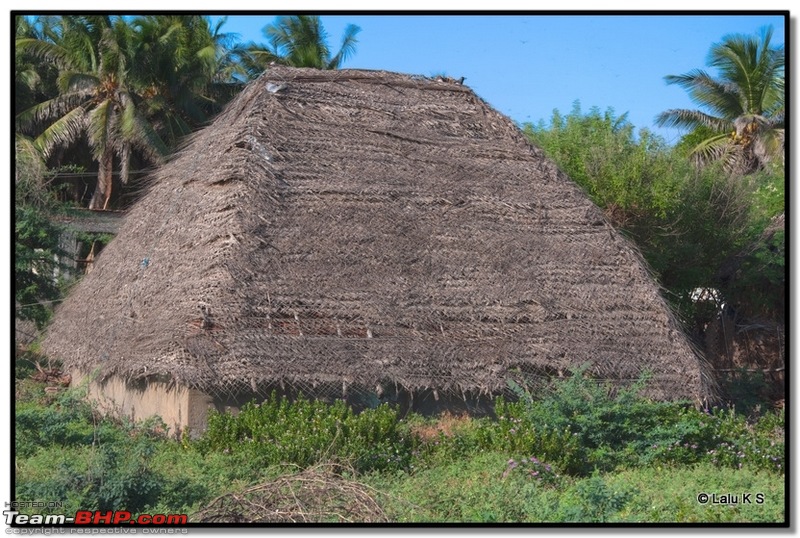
x,y
738,443
114,476
305,432
518,431
68,421
582,424
533,469
720,437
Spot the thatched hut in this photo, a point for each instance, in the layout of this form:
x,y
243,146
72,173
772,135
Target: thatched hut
x,y
361,233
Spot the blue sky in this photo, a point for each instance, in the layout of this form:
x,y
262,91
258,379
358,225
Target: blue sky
x,y
527,65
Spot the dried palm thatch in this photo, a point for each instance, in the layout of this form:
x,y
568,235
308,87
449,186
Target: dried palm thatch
x,y
316,495
353,229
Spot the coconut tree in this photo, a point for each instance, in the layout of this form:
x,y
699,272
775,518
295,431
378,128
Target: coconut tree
x,y
27,78
743,121
185,71
96,99
299,41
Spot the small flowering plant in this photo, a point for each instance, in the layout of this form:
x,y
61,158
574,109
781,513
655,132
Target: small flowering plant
x,y
532,469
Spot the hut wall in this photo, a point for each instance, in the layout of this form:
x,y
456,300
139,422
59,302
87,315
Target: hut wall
x,y
177,405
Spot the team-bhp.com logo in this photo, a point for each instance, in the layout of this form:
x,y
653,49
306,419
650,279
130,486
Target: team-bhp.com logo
x,y
96,517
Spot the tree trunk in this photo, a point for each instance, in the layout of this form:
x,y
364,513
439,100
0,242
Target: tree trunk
x,y
125,165
102,192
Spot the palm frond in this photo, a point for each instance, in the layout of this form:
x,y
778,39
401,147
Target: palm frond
x,y
253,58
721,97
125,162
750,63
225,40
711,149
30,184
207,56
29,120
101,127
63,132
770,146
44,50
138,132
28,158
74,81
29,78
692,119
348,47
262,54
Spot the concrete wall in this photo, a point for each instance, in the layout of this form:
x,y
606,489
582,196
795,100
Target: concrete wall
x,y
178,406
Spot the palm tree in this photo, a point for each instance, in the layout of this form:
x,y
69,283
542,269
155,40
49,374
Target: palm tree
x,y
299,41
185,70
744,125
33,81
96,98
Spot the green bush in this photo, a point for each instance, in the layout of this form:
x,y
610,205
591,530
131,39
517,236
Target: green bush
x,y
581,424
114,476
519,432
721,437
533,469
36,252
305,432
67,451
558,457
68,421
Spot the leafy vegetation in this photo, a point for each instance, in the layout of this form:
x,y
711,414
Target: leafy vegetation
x,y
305,432
35,264
688,222
36,237
578,453
301,41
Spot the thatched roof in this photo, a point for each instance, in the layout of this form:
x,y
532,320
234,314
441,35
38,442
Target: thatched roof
x,y
360,227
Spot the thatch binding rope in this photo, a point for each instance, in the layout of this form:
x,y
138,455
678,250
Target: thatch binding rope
x,y
356,229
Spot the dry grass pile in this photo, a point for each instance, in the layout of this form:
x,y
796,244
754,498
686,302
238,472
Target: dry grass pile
x,y
319,494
